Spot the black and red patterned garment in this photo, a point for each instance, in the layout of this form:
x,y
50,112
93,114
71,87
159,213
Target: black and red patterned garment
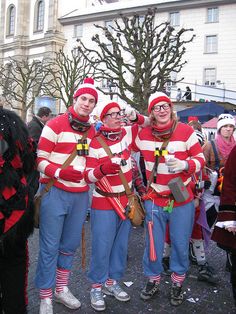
x,y
17,161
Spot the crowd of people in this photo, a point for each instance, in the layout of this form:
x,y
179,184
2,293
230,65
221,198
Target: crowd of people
x,y
182,203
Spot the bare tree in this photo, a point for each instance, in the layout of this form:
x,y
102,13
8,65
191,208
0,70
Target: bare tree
x,y
21,82
66,73
137,56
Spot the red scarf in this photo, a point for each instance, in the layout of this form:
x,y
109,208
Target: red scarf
x,y
164,131
224,146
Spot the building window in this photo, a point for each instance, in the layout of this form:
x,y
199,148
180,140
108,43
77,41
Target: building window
x,y
209,77
212,15
78,30
139,21
211,44
173,78
109,25
39,16
174,19
11,16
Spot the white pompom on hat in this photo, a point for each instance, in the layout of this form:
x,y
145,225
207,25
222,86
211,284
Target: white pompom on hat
x,y
225,119
157,98
87,88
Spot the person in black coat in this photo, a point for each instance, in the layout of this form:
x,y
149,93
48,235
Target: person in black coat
x,y
188,94
35,126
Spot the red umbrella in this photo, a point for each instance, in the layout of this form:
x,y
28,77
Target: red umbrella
x,y
104,185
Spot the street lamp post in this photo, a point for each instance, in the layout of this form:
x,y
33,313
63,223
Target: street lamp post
x,y
222,83
223,92
111,87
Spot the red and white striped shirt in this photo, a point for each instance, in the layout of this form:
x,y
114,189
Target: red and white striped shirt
x,y
184,145
56,143
97,156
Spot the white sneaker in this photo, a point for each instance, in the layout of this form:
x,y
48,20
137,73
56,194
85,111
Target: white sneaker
x,y
45,306
97,301
116,291
66,297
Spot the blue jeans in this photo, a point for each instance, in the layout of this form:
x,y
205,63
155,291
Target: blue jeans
x,y
110,237
62,215
180,225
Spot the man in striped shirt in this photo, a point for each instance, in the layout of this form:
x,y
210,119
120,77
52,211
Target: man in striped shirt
x,y
180,159
109,232
63,208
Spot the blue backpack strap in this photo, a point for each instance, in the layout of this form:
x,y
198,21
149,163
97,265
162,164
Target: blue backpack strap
x,y
217,160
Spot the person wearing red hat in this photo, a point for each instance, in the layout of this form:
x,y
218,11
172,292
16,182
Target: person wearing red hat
x,y
63,209
109,232
172,154
192,118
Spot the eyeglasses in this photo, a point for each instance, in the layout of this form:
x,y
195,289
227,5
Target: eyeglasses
x,y
114,115
158,107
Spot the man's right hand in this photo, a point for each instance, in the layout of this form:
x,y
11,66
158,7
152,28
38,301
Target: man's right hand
x,y
71,175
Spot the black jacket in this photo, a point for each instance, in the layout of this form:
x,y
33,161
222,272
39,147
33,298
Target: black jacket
x,y
35,128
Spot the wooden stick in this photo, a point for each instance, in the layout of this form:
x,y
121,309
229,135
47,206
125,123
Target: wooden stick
x,y
83,246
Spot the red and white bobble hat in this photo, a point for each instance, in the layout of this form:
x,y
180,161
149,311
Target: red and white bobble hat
x,y
158,98
87,88
103,109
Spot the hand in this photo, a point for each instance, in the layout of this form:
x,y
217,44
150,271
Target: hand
x,y
109,168
130,113
176,165
231,229
71,175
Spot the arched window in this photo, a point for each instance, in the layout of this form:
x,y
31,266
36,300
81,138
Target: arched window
x,y
39,16
11,16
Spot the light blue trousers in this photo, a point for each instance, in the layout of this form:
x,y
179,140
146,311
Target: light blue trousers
x,y
62,215
180,225
110,237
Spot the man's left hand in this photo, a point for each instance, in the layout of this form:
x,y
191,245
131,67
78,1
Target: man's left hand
x,y
130,113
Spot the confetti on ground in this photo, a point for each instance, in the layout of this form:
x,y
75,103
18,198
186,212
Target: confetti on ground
x,y
128,283
215,291
191,300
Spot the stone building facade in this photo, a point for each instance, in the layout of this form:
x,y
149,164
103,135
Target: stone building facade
x,y
39,28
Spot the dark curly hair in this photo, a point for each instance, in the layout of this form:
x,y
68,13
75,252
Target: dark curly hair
x,y
17,161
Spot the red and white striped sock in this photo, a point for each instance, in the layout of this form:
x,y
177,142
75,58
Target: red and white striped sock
x,y
156,278
179,279
97,286
62,279
45,293
110,282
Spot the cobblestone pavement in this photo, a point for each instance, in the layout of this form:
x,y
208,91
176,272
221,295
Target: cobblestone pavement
x,y
200,297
